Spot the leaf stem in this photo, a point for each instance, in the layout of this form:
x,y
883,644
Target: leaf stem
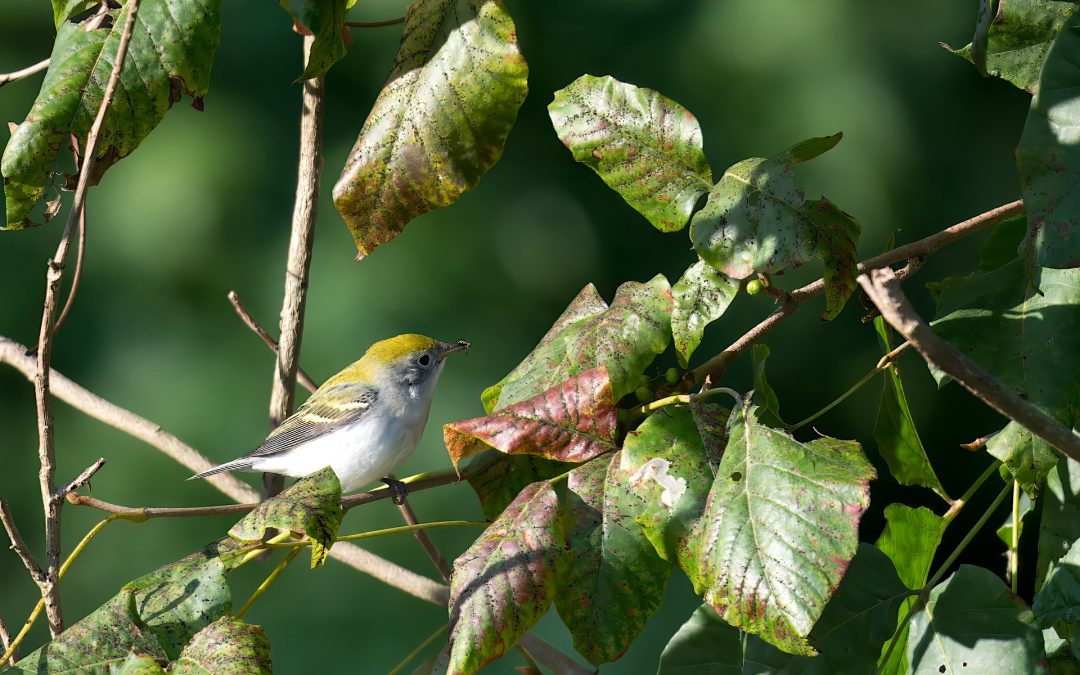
x,y
375,24
967,538
680,399
958,504
270,579
250,555
254,550
419,649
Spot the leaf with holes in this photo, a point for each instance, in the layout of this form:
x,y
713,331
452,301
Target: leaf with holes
x,y
780,528
701,296
440,121
226,646
325,19
1027,458
643,145
171,50
311,505
624,338
505,582
571,422
497,478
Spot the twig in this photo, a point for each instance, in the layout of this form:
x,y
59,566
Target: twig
x,y
5,643
979,443
958,504
375,24
18,544
425,541
884,290
7,78
242,311
82,479
76,276
979,524
419,649
918,249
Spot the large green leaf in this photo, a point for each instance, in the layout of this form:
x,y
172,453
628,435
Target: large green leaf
x,y
611,580
643,145
171,50
440,121
498,478
1060,523
1048,157
1018,39
708,645
972,623
757,218
572,422
1026,457
701,296
1024,331
226,647
311,505
780,528
505,581
624,338
325,19
895,432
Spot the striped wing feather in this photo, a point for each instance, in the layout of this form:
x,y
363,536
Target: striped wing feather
x,y
325,412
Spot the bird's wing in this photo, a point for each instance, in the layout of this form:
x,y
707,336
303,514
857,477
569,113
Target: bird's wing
x,y
338,406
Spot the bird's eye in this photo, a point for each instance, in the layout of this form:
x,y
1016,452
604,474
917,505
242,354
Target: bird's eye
x,y
424,360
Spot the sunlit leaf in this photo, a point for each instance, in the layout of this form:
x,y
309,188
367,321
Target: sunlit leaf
x,y
1048,157
1059,526
571,422
171,50
1026,457
780,528
972,623
643,145
136,664
701,296
440,121
226,647
498,478
325,19
311,505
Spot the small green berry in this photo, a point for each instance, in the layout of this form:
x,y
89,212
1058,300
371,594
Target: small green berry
x,y
671,376
754,286
644,394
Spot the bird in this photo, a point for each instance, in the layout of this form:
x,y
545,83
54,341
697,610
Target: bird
x,y
363,422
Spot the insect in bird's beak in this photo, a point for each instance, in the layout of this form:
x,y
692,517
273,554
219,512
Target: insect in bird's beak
x,y
447,348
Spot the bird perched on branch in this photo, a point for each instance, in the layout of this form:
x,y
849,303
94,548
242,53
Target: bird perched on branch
x,y
362,422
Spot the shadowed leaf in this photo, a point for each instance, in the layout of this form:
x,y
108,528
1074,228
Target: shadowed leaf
x,y
701,296
1059,526
138,665
311,505
1026,457
834,234
325,19
440,121
171,49
226,647
497,478
711,420
1001,246
764,395
1005,530
643,145
1057,604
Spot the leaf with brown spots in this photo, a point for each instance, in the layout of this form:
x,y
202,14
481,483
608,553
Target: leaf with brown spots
x,y
440,121
226,646
834,234
571,422
497,478
325,20
701,296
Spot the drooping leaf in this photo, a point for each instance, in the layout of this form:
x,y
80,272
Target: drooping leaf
x,y
171,49
708,645
701,296
505,582
611,580
1026,334
325,19
1005,531
756,218
440,121
780,528
895,431
764,395
1060,523
643,145
226,647
1026,458
711,420
834,234
972,623
1018,39
571,422
624,338
497,478
311,505
1048,158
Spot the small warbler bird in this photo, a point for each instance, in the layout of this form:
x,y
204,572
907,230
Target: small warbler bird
x,y
363,422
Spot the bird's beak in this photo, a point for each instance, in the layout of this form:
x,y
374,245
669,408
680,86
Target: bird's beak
x,y
446,349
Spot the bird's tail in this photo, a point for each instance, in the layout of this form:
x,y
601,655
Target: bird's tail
x,y
241,464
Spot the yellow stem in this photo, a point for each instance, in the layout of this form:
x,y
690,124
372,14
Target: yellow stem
x,y
416,652
266,583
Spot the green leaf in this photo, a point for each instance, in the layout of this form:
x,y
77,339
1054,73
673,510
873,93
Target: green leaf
x,y
497,478
764,395
1058,602
171,49
711,420
1059,526
440,121
226,647
326,21
311,505
701,296
571,422
65,9
972,623
610,580
1048,158
136,664
756,218
1026,334
780,528
624,338
1019,37
708,645
1001,246
895,431
1004,532
1026,457
643,145
505,582
834,234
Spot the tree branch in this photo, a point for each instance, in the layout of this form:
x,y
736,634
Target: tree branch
x,y
18,544
242,311
5,642
82,479
425,541
884,290
7,78
375,24
918,249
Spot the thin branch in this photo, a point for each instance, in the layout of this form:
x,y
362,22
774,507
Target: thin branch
x,y
425,541
979,443
375,24
242,311
918,249
18,544
76,276
7,78
5,643
82,479
884,290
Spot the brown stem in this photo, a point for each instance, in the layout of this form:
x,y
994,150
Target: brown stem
x,y
918,249
18,544
7,78
242,311
883,288
425,541
80,480
5,642
375,24
76,277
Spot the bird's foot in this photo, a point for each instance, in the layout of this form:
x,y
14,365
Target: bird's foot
x,y
397,489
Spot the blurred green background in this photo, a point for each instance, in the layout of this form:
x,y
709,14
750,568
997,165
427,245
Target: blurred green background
x,y
204,207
